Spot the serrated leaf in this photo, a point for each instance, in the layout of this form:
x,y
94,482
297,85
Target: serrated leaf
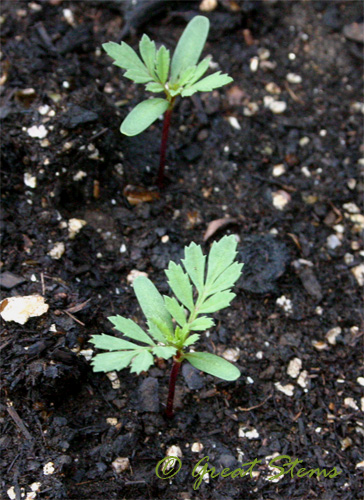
x,y
130,329
148,52
214,365
141,362
180,284
124,56
188,91
143,115
191,339
111,343
110,361
175,310
194,263
154,87
164,352
212,82
151,302
201,324
162,63
221,256
227,278
157,326
186,75
190,45
201,69
138,76
173,93
216,302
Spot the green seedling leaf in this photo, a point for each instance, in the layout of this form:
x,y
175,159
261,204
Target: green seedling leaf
x,y
194,263
162,64
211,82
221,256
213,365
201,324
130,329
186,75
110,361
201,69
151,301
164,352
148,52
191,339
111,343
180,284
216,302
141,362
138,76
143,115
155,324
154,87
189,46
124,56
227,278
175,310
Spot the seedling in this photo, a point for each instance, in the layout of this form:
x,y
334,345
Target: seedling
x,y
179,77
171,320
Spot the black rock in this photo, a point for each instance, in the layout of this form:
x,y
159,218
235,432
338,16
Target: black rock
x,y
123,446
9,280
265,259
192,377
192,152
148,395
75,115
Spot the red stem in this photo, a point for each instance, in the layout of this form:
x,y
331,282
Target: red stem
x,y
162,158
172,384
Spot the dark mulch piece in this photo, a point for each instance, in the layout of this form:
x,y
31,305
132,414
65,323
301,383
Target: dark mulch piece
x,y
54,409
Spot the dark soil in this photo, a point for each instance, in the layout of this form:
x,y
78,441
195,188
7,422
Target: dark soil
x,y
54,409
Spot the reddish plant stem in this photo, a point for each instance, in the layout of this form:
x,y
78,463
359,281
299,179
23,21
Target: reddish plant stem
x,y
172,384
162,158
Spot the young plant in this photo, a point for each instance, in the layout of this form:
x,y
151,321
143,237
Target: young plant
x,y
171,321
179,77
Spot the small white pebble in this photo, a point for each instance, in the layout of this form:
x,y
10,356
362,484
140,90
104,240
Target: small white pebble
x,y
278,107
48,469
115,382
332,334
231,354
306,172
234,122
68,15
87,354
294,367
173,451
39,132
360,465
358,272
278,170
350,403
303,379
251,109
319,345
280,199
249,380
319,311
351,183
259,355
65,85
122,248
43,110
134,273
333,242
323,133
351,208
263,53
30,180
293,78
291,56
196,447
360,381
11,493
79,175
348,258
287,389
285,303
165,238
304,141
248,433
254,64
75,226
273,88
57,251
112,421
120,464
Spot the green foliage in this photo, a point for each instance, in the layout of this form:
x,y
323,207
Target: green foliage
x,y
171,320
180,76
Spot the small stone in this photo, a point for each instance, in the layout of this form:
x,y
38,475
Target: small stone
x,y
123,248
11,493
68,15
278,107
43,110
173,451
358,220
278,170
263,53
346,443
197,447
259,355
350,403
112,421
358,272
280,199
304,141
333,242
165,238
38,132
291,56
251,109
57,251
273,88
231,354
79,175
234,122
287,389
192,377
285,304
75,226
148,395
20,309
113,377
319,345
351,208
294,367
303,379
362,404
254,64
134,273
351,184
30,180
248,433
332,334
48,469
120,464
9,280
360,465
87,354
360,381
293,78
208,5
206,477
306,172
